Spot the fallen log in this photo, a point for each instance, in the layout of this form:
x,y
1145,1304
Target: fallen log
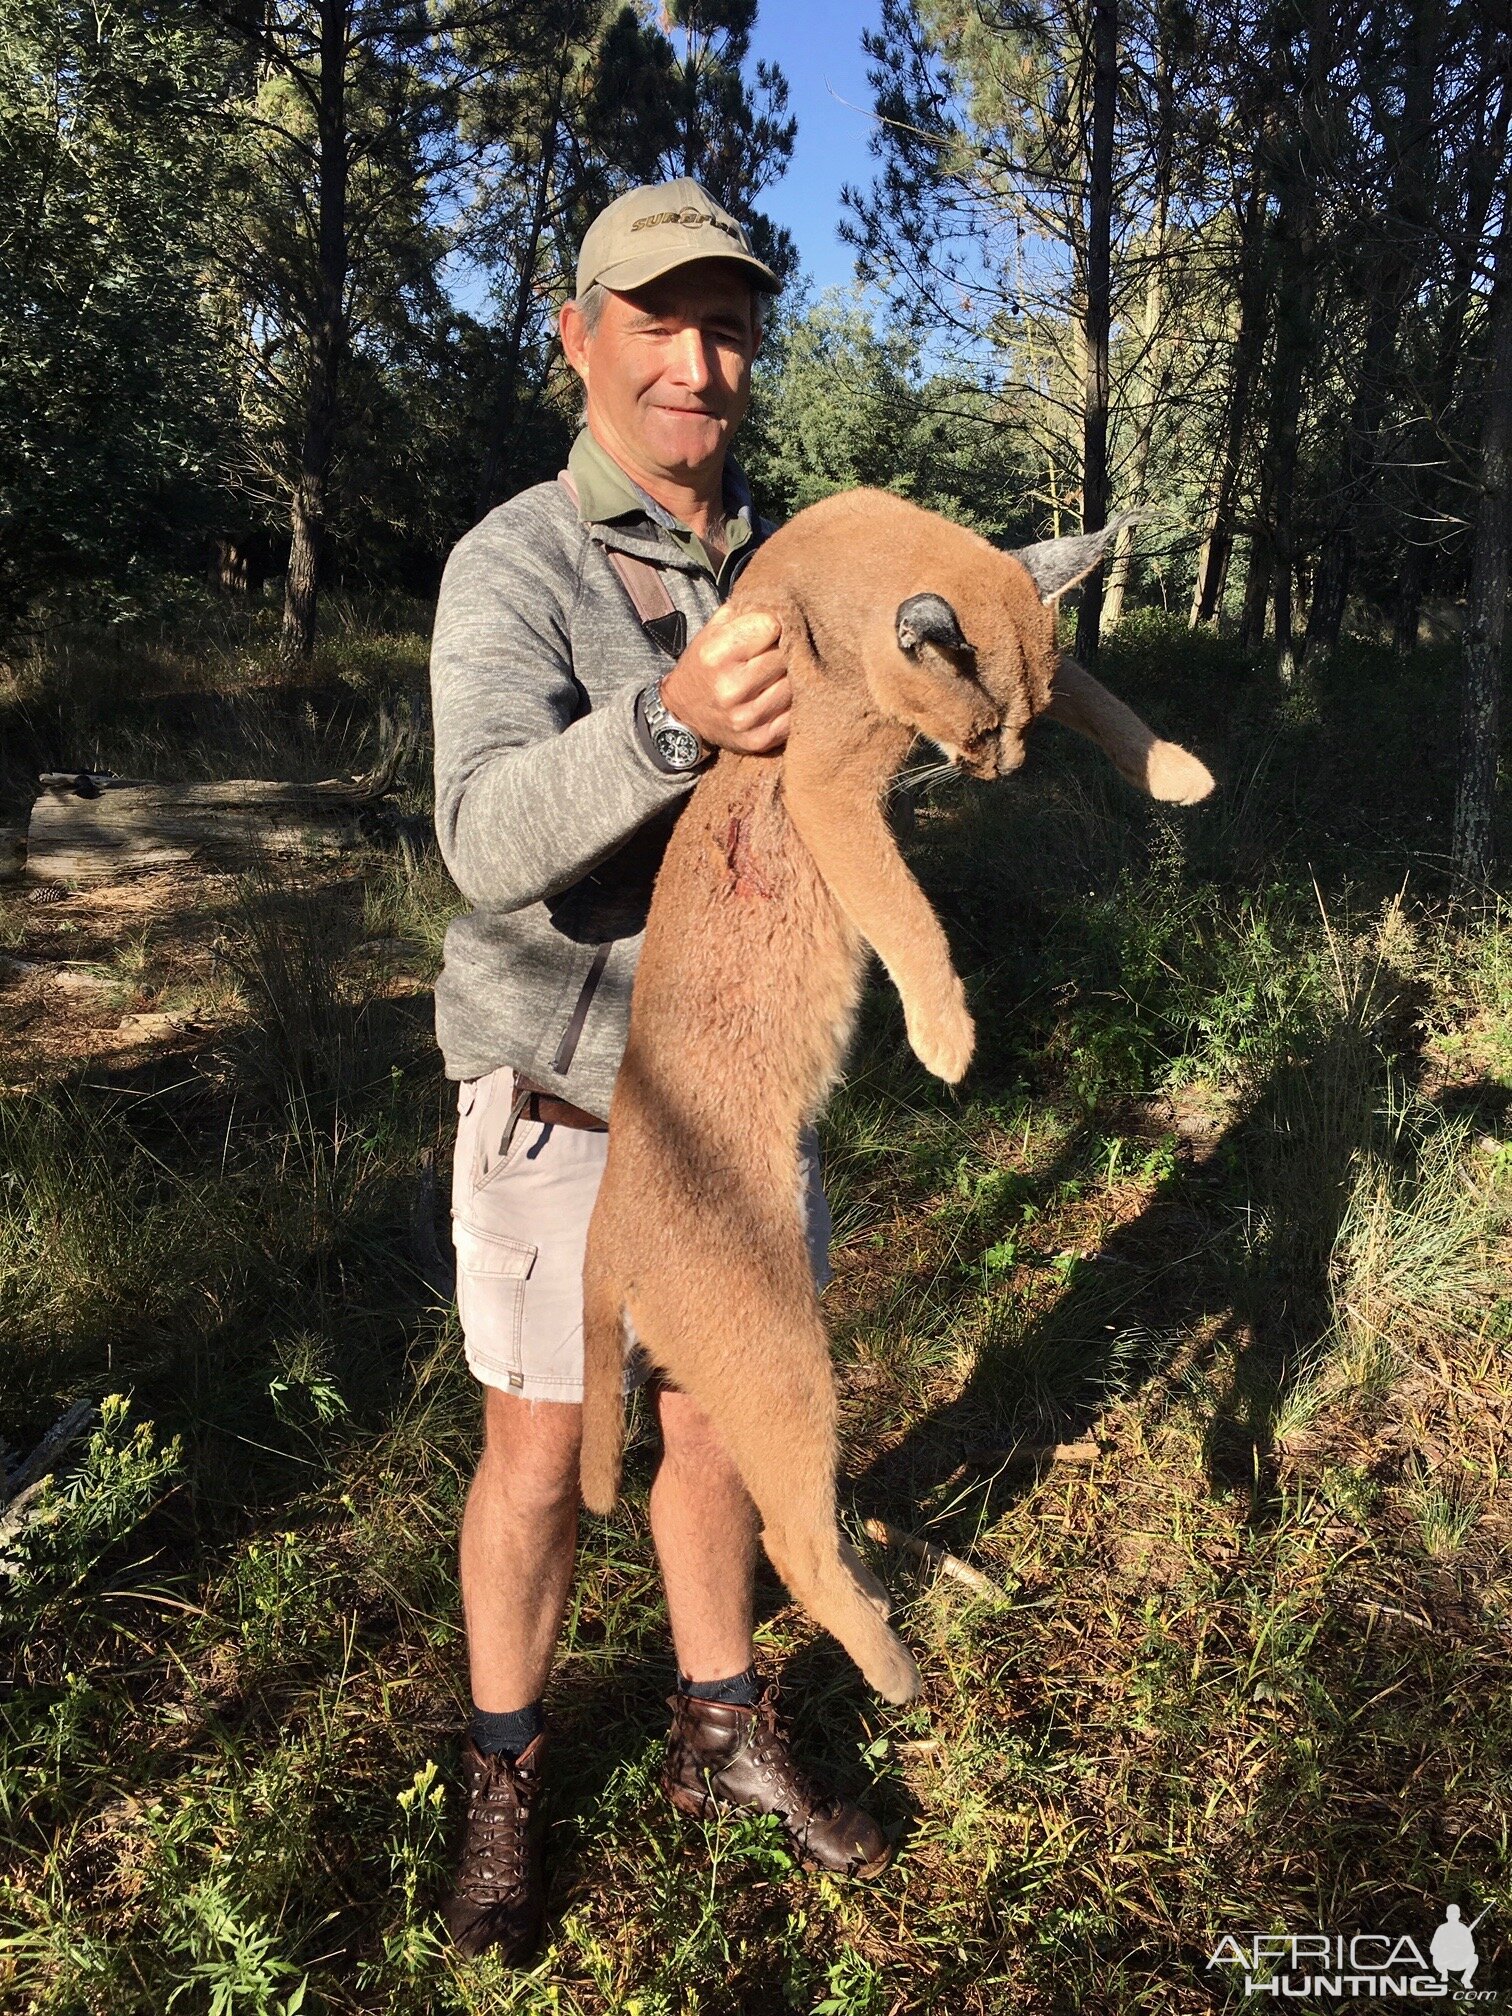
x,y
72,975
89,829
21,1491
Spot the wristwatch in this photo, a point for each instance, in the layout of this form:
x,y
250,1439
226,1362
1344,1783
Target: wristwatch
x,y
673,745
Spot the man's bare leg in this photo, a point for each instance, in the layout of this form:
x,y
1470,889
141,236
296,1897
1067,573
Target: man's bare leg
x,y
519,1536
519,1533
705,1529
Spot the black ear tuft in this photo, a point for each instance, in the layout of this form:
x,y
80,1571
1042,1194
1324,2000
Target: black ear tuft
x,y
1058,565
928,619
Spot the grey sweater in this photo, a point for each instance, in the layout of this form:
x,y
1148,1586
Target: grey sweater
x,y
551,815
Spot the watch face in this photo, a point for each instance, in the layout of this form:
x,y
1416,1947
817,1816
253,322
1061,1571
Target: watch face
x,y
678,747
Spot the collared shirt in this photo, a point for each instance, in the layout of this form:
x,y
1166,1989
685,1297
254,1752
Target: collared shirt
x,y
606,492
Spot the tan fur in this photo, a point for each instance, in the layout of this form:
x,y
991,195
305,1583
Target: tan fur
x,y
778,876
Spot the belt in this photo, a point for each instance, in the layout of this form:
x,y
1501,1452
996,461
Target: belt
x,y
545,1106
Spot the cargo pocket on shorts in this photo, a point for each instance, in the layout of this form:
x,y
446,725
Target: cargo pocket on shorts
x,y
492,1270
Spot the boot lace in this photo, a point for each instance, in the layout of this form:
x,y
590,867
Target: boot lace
x,y
769,1746
498,1820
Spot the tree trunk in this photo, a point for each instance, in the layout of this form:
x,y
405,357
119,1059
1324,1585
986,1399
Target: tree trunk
x,y
1257,583
1154,382
1121,567
1249,342
328,335
1396,271
1294,333
1325,619
502,427
1099,309
1486,605
1297,177
692,148
1424,439
1271,556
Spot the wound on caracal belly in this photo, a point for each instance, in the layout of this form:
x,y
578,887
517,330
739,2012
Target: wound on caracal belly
x,y
746,878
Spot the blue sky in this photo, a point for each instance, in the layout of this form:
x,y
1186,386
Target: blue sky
x,y
818,44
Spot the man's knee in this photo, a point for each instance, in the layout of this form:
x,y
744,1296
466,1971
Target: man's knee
x,y
531,1449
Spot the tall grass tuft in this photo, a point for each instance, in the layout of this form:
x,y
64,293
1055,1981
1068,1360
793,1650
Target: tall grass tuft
x,y
410,896
99,1238
291,949
1412,1264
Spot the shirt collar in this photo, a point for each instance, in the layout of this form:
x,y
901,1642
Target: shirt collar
x,y
606,492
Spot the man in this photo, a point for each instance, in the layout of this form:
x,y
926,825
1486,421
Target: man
x,y
573,715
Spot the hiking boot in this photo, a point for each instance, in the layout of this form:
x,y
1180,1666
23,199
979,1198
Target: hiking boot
x,y
499,1897
722,1758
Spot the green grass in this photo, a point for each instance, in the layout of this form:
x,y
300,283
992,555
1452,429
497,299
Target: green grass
x,y
1226,1190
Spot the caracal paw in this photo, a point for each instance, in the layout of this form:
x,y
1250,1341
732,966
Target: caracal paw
x,y
1176,776
943,1042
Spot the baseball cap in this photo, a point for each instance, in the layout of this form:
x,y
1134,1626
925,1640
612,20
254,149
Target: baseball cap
x,y
650,230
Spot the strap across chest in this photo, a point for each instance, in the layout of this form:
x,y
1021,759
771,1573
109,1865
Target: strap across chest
x,y
662,621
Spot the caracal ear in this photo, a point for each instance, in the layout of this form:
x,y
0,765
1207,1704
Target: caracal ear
x,y
928,619
1057,565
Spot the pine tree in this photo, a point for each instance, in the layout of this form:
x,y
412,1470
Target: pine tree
x,y
114,397
341,143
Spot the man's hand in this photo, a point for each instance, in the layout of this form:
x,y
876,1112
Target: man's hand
x,y
731,684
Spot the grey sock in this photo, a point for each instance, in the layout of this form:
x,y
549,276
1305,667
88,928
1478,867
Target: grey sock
x,y
741,1690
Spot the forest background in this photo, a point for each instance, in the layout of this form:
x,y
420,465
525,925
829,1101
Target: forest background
x,y
277,288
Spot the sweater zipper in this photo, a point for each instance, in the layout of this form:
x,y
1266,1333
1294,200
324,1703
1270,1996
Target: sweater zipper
x,y
566,1050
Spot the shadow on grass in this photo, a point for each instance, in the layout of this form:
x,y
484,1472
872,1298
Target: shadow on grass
x,y
1338,1722
1235,1244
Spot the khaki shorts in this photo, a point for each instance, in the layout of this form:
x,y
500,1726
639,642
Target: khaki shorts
x,y
520,1226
